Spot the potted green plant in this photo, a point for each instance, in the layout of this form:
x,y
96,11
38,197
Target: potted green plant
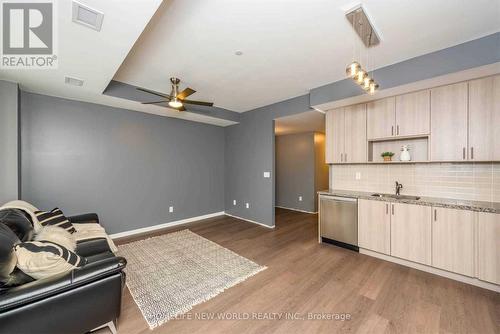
x,y
387,156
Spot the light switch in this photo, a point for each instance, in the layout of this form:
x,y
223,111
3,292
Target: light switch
x,y
358,175
247,205
300,198
234,202
170,209
267,175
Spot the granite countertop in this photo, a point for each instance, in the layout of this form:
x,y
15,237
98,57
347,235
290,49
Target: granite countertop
x,y
492,207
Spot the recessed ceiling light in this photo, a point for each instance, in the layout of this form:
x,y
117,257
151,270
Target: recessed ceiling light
x,y
87,16
238,52
73,81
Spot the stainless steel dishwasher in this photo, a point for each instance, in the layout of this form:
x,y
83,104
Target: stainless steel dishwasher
x,y
338,221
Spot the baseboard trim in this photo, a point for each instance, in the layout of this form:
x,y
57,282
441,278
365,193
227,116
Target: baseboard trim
x,y
250,221
164,225
432,270
284,207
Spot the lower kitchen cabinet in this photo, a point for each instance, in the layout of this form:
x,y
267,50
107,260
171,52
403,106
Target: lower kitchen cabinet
x,y
453,240
488,247
411,232
374,226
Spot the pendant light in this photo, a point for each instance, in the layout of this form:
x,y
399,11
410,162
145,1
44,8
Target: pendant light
x,y
362,26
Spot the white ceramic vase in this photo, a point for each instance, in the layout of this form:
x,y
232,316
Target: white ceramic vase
x,y
405,154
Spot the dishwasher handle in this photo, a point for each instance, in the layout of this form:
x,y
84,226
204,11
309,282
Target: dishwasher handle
x,y
338,198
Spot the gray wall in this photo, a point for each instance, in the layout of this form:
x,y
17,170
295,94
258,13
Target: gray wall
x,y
8,141
250,144
249,153
295,171
127,166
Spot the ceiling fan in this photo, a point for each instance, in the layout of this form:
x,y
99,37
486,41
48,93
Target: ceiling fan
x,y
176,99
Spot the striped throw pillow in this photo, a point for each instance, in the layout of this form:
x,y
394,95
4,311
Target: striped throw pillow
x,y
41,259
54,218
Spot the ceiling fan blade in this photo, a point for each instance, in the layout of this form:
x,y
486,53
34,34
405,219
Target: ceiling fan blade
x,y
185,93
154,102
168,97
198,103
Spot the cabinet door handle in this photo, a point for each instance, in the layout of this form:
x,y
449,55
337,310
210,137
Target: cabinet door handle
x,y
345,157
341,157
392,205
392,130
463,153
397,130
386,209
472,153
435,214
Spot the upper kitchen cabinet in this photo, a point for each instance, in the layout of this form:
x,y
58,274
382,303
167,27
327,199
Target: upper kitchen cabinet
x,y
484,118
335,125
346,134
355,133
413,113
381,118
449,123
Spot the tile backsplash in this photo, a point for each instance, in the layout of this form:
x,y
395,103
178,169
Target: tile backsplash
x,y
468,181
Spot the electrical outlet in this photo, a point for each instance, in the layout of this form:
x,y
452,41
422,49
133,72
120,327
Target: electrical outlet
x,y
267,175
358,175
234,202
300,198
170,209
247,205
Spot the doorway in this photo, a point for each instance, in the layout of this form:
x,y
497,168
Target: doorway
x,y
300,167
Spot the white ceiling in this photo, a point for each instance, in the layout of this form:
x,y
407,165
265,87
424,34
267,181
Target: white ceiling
x,y
309,121
96,56
289,46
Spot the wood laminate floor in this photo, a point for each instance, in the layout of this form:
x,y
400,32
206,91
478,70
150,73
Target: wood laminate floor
x,y
305,278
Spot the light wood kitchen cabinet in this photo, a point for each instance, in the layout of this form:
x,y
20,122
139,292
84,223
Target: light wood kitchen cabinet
x,y
413,113
355,134
484,119
449,123
411,232
488,257
374,226
453,240
335,127
381,118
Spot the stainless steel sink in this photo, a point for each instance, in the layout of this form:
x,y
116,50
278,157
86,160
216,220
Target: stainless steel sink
x,y
415,198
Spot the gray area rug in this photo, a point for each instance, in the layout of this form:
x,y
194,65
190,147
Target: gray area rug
x,y
169,274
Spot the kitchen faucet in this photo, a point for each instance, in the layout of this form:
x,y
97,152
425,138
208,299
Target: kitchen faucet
x,y
399,186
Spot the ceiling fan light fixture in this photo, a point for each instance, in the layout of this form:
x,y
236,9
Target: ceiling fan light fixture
x,y
175,103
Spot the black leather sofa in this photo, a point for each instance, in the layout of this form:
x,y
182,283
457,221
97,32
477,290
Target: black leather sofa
x,y
77,302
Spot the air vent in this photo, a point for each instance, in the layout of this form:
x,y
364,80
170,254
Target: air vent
x,y
363,27
87,16
73,81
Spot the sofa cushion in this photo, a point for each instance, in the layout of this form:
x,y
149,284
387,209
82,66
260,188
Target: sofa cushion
x,y
17,221
55,217
41,259
8,258
92,247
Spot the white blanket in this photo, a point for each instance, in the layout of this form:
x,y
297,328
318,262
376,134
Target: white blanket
x,y
90,231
